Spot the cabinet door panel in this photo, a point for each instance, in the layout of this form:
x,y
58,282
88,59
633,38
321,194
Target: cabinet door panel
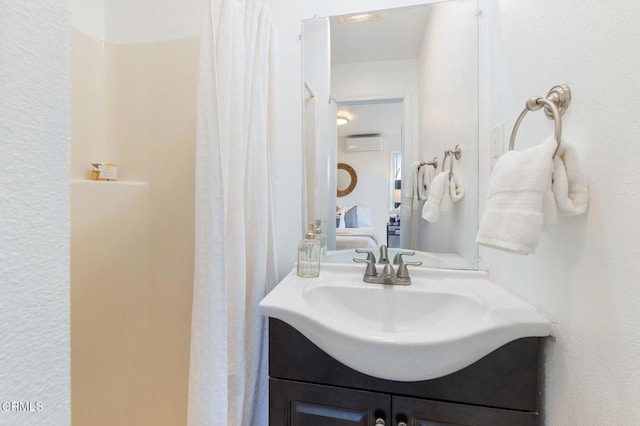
x,y
421,412
308,414
303,404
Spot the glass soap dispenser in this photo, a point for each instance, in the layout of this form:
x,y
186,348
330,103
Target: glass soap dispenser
x,y
309,256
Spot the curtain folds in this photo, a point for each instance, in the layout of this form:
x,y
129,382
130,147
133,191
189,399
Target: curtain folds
x,y
235,259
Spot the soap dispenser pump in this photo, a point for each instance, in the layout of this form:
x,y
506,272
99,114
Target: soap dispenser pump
x,y
309,256
322,237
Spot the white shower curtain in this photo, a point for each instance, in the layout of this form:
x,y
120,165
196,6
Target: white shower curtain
x,y
235,261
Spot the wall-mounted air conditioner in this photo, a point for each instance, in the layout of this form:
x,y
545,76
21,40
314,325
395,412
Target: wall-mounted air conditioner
x,y
367,142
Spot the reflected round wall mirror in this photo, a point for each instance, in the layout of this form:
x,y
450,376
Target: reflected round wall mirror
x,y
347,179
409,76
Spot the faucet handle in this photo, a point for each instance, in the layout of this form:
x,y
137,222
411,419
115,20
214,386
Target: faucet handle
x,y
403,272
371,267
370,255
398,258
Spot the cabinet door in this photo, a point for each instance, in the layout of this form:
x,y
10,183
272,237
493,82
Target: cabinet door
x,y
303,404
420,412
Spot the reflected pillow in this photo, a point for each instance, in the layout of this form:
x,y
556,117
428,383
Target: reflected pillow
x,y
351,218
364,216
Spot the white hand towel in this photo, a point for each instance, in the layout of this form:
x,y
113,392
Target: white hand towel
x,y
431,208
424,181
456,189
570,186
514,215
446,204
409,200
549,210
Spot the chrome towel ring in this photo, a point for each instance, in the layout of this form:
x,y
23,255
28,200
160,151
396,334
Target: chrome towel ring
x,y
555,104
451,154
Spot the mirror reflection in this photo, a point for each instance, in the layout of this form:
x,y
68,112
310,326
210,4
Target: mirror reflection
x,y
405,85
372,143
346,180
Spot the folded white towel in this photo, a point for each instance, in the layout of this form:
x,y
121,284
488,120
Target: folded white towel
x,y
518,198
456,189
446,204
409,200
425,175
431,208
549,210
570,186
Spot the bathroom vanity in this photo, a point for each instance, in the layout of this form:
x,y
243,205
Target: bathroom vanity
x,y
307,387
451,347
447,348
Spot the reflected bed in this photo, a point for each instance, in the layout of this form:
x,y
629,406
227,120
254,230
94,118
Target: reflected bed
x,y
352,238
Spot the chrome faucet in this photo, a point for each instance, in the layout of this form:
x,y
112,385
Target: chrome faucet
x,y
388,275
383,259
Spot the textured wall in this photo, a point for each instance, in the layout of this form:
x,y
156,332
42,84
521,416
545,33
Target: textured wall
x,y
34,212
584,274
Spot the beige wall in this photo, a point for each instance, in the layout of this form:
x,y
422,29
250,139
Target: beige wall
x,y
132,240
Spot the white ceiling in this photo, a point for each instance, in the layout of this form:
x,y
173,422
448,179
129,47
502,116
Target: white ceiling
x,y
396,36
384,118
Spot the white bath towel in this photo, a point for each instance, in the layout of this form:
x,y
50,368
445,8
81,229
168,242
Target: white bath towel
x,y
518,199
456,189
431,208
409,200
570,187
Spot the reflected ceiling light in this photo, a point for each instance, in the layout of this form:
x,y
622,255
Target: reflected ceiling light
x,y
361,17
342,120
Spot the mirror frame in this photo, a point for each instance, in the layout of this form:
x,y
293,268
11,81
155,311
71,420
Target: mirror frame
x,y
352,184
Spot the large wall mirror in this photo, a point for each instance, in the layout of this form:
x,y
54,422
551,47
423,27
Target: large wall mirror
x,y
387,91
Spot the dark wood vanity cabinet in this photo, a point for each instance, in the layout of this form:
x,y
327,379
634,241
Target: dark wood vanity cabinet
x,y
305,404
307,387
421,412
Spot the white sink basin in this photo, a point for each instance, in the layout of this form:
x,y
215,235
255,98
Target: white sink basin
x,y
444,321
